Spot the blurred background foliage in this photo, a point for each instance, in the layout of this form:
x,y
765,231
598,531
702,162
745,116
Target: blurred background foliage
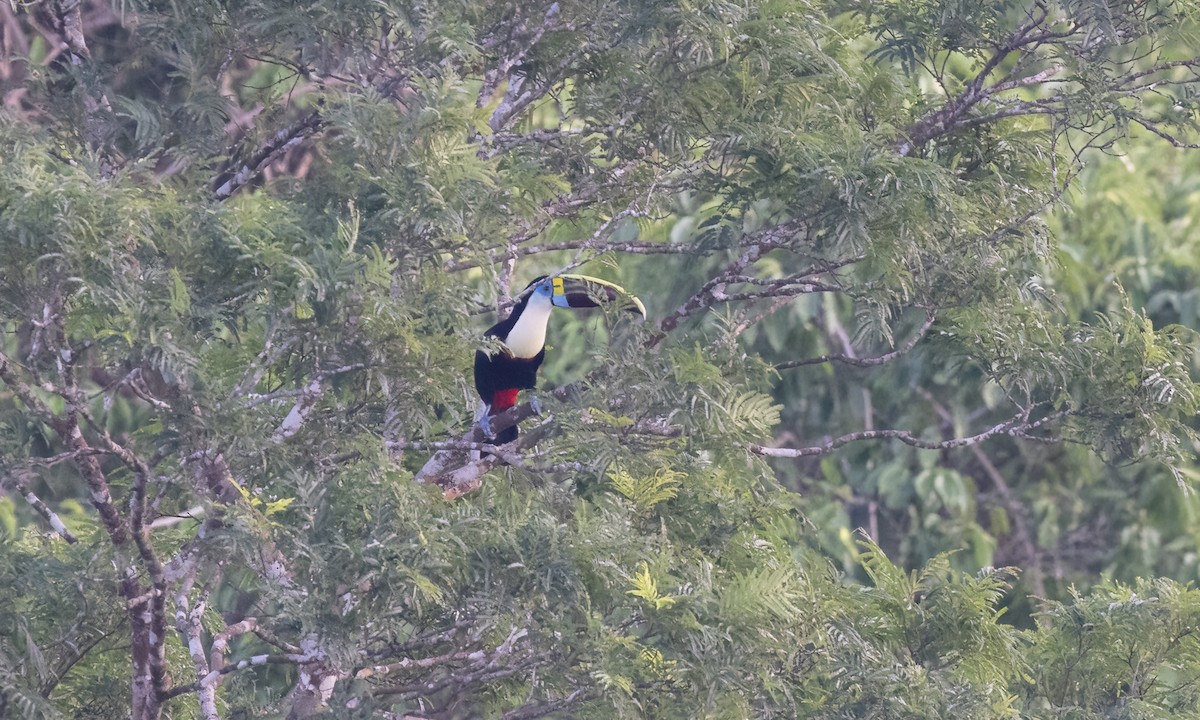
x,y
1125,238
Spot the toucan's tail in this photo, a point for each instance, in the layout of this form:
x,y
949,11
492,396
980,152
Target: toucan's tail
x,y
506,435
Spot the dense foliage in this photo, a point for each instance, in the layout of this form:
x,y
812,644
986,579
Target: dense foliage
x,y
250,248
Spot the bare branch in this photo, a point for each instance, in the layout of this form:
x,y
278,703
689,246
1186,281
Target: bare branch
x,y
166,521
266,357
210,678
230,181
790,290
1035,79
315,680
466,478
1157,130
845,359
1031,559
492,78
480,666
517,98
502,142
504,282
464,445
435,469
22,389
532,711
300,411
187,622
1015,425
20,482
753,248
220,645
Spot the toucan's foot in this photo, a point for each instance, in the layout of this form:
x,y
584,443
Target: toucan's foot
x,y
535,405
485,426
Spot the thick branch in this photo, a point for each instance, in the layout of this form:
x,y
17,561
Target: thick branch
x,y
469,477
300,411
187,622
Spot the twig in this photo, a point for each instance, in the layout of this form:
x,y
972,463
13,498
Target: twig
x,y
709,293
532,711
19,481
1016,424
166,521
845,359
230,181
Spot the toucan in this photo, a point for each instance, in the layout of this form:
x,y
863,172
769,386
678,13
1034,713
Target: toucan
x,y
501,374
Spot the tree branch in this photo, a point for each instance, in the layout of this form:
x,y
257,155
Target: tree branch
x,y
1018,424
435,469
229,181
532,711
481,666
19,480
300,411
210,678
187,622
844,359
753,248
492,78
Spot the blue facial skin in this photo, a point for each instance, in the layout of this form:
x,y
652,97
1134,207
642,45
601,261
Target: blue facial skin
x,y
545,288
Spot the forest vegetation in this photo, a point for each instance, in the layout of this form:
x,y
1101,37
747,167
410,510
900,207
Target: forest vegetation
x,y
909,430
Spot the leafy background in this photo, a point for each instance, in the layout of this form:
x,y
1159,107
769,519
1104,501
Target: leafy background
x,y
250,249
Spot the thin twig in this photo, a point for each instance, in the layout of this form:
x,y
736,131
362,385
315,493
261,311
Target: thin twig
x,y
1016,424
846,359
20,482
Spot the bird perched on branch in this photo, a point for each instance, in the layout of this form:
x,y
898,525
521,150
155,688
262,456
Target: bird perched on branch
x,y
501,374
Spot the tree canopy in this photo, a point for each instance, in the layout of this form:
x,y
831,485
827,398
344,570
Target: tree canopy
x,y
907,432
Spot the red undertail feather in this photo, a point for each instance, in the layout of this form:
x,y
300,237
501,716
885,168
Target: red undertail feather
x,y
503,400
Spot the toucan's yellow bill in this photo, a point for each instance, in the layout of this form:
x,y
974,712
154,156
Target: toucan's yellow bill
x,y
583,291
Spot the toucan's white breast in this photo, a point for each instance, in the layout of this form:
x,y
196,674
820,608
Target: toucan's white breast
x,y
528,335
